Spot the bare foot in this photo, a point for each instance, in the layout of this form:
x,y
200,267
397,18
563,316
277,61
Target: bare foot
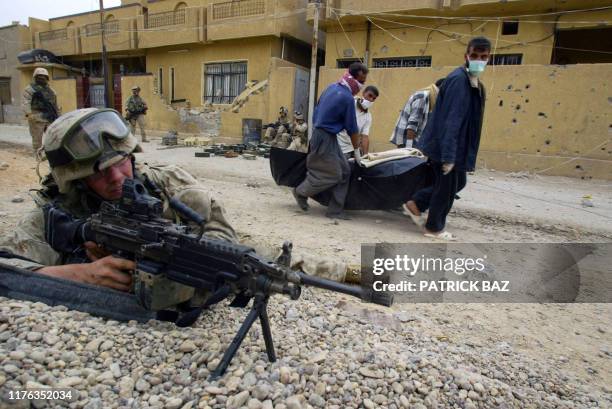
x,y
411,205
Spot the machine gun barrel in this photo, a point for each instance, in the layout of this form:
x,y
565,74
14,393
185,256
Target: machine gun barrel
x,y
356,291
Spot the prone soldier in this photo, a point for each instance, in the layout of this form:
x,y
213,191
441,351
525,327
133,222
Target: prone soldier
x,y
91,154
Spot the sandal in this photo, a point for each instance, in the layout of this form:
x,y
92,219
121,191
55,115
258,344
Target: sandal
x,y
443,235
418,220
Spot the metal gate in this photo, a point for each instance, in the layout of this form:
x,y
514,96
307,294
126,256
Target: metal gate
x,y
96,96
300,91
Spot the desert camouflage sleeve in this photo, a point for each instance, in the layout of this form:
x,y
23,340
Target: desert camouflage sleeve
x,y
180,184
26,100
27,240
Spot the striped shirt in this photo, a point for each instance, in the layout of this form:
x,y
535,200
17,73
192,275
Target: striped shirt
x,y
413,116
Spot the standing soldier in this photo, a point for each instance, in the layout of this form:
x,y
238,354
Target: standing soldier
x,y
39,105
136,110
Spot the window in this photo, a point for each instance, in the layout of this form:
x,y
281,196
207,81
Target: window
x,y
346,62
510,28
5,91
506,59
171,84
398,62
224,81
160,81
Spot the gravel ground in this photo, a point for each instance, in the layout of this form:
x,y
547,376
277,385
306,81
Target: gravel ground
x,y
330,354
333,352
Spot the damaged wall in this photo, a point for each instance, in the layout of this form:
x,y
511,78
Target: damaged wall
x,y
536,116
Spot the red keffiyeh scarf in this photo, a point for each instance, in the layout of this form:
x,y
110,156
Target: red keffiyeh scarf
x,y
351,83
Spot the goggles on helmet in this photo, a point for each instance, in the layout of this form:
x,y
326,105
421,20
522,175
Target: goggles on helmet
x,y
85,139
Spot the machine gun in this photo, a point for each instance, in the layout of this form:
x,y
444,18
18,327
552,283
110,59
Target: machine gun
x,y
173,264
274,125
49,112
134,114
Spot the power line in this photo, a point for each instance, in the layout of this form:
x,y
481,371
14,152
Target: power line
x,y
454,34
350,12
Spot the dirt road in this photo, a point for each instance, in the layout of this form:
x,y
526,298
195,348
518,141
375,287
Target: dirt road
x,y
574,338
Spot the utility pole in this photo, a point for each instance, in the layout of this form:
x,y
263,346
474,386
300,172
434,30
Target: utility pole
x,y
104,61
313,66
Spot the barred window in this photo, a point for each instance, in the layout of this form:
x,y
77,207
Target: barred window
x,y
402,62
346,62
238,8
506,59
224,81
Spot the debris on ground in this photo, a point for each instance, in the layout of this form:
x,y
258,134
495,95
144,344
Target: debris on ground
x,y
170,139
587,201
519,175
251,148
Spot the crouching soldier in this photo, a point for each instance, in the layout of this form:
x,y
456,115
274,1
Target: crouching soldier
x,y
299,141
39,104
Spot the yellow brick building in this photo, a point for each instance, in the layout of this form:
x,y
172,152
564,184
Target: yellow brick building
x,y
184,53
548,83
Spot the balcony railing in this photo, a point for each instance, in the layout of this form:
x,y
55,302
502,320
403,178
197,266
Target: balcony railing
x,y
240,8
170,18
61,34
110,27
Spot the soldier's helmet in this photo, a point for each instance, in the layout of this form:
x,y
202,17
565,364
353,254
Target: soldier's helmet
x,y
40,71
299,116
82,142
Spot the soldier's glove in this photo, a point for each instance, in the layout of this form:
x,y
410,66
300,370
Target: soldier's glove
x,y
447,168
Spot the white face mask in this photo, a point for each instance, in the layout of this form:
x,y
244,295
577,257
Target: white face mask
x,y
365,104
476,67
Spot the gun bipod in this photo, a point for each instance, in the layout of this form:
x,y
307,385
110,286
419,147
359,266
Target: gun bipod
x,y
258,310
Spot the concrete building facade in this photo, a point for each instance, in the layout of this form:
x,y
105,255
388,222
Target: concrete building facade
x,y
185,54
548,80
14,39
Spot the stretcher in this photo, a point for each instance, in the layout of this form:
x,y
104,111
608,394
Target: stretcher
x,y
384,186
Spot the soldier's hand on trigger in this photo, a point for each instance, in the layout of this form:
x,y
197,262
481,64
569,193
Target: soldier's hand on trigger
x,y
110,272
94,251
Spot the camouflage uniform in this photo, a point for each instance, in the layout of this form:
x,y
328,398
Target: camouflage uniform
x,y
136,104
28,238
34,111
299,140
275,135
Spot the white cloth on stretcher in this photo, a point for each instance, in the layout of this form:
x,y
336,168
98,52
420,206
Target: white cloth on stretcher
x,y
375,158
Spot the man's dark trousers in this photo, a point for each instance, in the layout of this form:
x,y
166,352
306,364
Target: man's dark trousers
x,y
442,197
422,197
327,169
